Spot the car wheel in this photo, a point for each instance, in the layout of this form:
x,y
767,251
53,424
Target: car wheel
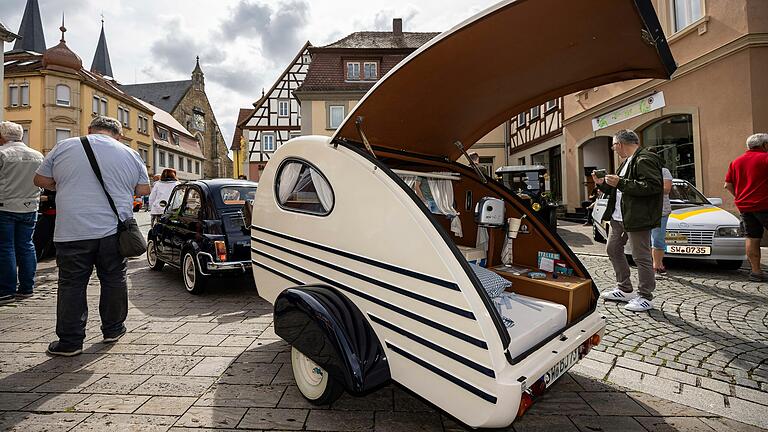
x,y
596,235
314,382
194,282
729,264
154,263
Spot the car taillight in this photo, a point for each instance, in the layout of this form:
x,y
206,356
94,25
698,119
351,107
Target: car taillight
x,y
525,402
221,250
587,345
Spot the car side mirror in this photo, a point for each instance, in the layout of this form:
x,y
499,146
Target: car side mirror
x,y
715,201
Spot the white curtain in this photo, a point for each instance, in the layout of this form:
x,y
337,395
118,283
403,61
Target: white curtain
x,y
442,192
288,178
322,188
410,180
482,239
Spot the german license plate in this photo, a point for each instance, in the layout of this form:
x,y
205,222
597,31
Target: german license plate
x,y
561,367
689,250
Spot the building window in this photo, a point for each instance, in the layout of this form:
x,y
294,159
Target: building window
x,y
189,165
171,161
143,125
99,106
672,139
62,134
283,108
144,153
685,12
175,138
18,95
521,161
25,137
24,88
161,155
13,95
103,110
353,71
162,133
486,165
62,95
370,71
95,105
197,167
550,105
535,112
124,116
335,116
268,142
293,135
521,120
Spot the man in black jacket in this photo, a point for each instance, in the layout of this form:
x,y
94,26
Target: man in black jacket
x,y
634,209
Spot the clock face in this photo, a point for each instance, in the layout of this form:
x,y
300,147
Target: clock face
x,y
198,122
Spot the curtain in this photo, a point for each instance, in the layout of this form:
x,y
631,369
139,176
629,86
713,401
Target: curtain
x,y
322,188
288,178
410,180
442,193
482,239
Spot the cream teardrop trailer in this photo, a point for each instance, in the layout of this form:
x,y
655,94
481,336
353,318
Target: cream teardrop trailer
x,y
368,243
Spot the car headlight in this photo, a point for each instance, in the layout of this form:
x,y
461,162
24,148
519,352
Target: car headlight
x,y
733,231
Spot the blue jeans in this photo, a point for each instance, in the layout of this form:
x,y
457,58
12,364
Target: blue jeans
x,y
658,235
17,249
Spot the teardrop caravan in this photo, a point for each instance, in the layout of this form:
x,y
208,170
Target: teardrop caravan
x,y
367,244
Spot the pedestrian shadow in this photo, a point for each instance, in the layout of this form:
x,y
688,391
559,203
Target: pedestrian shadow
x,y
257,391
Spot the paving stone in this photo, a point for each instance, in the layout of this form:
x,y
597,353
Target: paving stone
x,y
116,384
163,385
166,405
657,406
16,401
132,422
119,362
168,365
159,338
706,400
284,376
341,421
591,368
615,404
274,418
177,350
69,382
241,395
380,400
751,395
37,422
715,385
211,366
562,402
219,351
537,423
749,412
111,403
607,423
238,341
250,373
56,402
673,424
721,424
676,375
195,327
213,417
625,377
388,421
292,398
201,339
256,357
23,381
405,401
637,365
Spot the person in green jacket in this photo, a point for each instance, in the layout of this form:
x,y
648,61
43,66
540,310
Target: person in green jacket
x,y
635,197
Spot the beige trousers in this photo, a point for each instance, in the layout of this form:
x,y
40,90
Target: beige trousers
x,y
641,254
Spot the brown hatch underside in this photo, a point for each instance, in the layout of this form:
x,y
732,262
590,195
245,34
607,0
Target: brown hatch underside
x,y
471,79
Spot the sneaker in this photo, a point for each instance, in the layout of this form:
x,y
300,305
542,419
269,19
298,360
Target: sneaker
x,y
115,338
56,348
639,304
24,295
753,277
10,298
617,295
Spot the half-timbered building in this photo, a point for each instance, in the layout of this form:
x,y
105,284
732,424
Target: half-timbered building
x,y
275,118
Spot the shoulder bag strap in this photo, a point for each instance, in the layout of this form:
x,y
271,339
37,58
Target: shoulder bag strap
x,y
97,171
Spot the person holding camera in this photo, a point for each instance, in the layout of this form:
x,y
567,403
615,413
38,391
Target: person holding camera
x,y
161,192
634,208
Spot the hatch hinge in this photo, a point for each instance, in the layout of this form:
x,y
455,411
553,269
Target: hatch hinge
x,y
479,172
359,126
648,37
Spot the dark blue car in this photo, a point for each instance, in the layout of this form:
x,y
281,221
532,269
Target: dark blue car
x,y
204,231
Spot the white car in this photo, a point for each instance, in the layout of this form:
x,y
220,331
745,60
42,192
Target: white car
x,y
697,228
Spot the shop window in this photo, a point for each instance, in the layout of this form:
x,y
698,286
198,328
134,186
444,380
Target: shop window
x,y
672,139
62,95
301,187
685,12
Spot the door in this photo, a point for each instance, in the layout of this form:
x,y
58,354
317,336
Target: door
x,y
167,244
189,225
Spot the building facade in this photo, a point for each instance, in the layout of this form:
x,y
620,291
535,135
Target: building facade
x,y
51,95
274,119
173,146
188,103
699,120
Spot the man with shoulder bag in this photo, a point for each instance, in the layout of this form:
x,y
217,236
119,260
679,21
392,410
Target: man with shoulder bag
x,y
95,178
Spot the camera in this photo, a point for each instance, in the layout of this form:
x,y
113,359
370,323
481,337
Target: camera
x,y
601,173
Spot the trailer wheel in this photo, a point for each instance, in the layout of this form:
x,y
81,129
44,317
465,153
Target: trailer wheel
x,y
314,382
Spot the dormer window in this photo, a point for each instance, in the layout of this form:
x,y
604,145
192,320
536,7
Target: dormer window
x,y
162,134
362,71
353,71
175,138
370,71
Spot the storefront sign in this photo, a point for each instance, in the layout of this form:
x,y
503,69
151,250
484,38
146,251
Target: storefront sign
x,y
645,105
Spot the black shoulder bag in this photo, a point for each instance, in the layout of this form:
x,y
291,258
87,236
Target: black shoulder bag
x,y
129,238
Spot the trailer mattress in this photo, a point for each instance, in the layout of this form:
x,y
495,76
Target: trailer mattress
x,y
532,320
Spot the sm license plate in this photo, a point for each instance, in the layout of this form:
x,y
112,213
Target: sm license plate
x,y
561,367
689,250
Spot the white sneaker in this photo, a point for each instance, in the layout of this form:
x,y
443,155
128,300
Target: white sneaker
x,y
617,295
639,304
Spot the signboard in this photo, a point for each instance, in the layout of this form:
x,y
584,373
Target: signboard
x,y
645,105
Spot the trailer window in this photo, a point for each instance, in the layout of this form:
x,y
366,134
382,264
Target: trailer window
x,y
301,187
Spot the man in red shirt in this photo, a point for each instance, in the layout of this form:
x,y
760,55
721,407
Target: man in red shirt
x,y
747,181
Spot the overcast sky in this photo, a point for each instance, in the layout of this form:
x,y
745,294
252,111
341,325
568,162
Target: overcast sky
x,y
243,44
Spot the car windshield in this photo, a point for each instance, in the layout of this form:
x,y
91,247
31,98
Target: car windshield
x,y
237,195
685,193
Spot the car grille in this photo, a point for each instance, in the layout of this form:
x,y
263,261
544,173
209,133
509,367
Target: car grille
x,y
703,238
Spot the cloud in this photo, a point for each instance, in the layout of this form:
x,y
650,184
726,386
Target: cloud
x,y
278,27
382,21
244,81
178,50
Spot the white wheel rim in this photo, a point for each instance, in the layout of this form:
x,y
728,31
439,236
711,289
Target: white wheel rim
x,y
151,253
189,271
310,378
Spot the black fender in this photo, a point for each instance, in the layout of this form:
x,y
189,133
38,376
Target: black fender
x,y
328,328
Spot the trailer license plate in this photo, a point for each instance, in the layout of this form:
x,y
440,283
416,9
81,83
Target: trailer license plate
x,y
561,367
689,250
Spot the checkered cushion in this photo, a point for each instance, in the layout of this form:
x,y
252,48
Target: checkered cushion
x,y
493,284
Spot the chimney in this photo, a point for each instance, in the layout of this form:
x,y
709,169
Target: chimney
x,y
397,26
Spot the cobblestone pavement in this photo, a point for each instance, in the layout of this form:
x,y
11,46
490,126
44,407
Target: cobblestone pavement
x,y
214,362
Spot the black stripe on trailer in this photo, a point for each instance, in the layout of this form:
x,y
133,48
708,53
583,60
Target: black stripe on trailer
x,y
432,368
278,273
370,261
430,301
433,346
443,328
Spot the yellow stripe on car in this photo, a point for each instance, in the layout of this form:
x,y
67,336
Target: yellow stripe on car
x,y
686,215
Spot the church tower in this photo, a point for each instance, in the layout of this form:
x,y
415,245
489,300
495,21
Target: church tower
x,y
101,63
31,30
198,78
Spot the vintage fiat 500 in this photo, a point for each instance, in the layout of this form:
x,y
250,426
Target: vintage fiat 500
x,y
386,259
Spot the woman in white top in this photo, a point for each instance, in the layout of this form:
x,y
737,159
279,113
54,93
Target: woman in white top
x,y
161,192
